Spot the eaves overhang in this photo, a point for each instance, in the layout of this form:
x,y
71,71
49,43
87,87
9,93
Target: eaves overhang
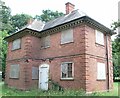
x,y
84,20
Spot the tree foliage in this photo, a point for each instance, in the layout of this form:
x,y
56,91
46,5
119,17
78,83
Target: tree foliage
x,y
19,21
116,51
115,25
48,15
3,50
12,23
5,14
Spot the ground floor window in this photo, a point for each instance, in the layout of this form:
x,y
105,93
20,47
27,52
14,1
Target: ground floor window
x,y
67,70
14,71
101,72
35,73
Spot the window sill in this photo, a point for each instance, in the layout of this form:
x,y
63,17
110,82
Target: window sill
x,y
35,79
14,78
67,79
15,49
97,44
45,47
101,79
66,43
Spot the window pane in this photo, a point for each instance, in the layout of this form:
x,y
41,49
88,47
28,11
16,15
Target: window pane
x,y
45,42
64,75
99,37
101,73
16,44
69,66
14,71
66,70
69,74
67,36
35,73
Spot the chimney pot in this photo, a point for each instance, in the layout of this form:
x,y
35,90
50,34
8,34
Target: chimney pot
x,y
69,7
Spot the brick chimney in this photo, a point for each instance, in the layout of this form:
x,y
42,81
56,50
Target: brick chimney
x,y
30,21
69,7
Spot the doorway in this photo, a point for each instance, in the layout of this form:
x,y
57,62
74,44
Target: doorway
x,y
43,76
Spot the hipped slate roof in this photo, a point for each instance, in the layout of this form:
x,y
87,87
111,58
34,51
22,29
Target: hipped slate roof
x,y
75,15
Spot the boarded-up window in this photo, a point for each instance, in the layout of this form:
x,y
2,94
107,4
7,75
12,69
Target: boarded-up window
x,y
101,73
45,42
16,44
14,71
67,36
99,37
35,73
67,70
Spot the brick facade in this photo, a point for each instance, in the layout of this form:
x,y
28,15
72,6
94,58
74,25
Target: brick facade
x,y
83,52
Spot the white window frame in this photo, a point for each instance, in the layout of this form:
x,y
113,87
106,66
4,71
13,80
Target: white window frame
x,y
99,37
11,69
68,78
65,32
17,41
101,71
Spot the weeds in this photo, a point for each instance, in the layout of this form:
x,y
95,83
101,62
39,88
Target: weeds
x,y
6,91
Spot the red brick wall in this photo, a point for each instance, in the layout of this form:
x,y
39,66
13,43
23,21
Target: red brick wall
x,y
83,35
96,53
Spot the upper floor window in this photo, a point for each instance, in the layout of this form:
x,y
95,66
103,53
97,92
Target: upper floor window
x,y
67,36
99,37
16,44
45,42
14,71
67,70
101,73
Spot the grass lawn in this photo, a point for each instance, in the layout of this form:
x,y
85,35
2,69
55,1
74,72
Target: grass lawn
x,y
1,83
36,92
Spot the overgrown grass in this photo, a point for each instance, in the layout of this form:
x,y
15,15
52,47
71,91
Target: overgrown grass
x,y
114,92
36,92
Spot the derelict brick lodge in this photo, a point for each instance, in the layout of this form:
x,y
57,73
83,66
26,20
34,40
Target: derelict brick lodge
x,y
72,51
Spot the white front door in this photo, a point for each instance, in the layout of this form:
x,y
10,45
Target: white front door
x,y
43,76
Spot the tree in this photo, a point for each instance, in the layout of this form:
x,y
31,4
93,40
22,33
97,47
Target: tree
x,y
12,23
5,14
116,62
115,25
116,51
3,50
48,15
19,21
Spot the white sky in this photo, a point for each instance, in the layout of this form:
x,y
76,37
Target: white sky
x,y
104,11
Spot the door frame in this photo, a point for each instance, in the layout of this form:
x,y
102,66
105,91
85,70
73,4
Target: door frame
x,y
43,66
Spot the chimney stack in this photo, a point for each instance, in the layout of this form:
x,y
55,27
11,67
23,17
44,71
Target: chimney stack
x,y
30,21
69,7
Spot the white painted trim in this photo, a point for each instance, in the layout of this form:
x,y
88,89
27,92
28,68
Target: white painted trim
x,y
67,78
44,65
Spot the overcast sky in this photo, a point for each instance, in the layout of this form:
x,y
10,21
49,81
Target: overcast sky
x,y
104,11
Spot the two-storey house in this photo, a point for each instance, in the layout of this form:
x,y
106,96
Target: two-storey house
x,y
72,51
